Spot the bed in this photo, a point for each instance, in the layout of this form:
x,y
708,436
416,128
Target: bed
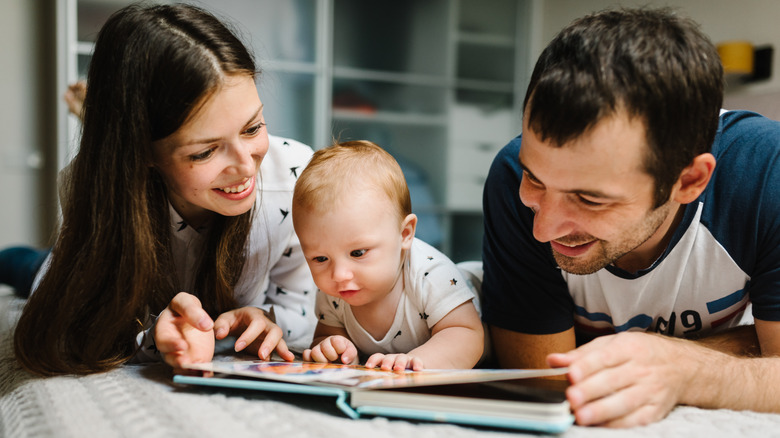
x,y
142,401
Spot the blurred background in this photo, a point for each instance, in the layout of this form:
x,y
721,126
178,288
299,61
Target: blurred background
x,y
438,83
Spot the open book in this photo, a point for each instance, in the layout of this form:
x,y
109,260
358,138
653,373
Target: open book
x,y
506,398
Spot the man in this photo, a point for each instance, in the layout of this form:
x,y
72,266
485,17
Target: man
x,y
609,215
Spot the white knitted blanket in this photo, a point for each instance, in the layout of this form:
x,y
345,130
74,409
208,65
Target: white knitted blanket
x,y
142,401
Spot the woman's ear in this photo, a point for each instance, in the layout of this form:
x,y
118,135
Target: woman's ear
x,y
408,227
694,179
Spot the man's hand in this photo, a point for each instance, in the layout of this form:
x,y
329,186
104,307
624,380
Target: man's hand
x,y
332,349
183,332
255,331
627,379
394,362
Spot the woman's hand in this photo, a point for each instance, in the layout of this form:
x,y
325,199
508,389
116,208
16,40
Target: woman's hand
x,y
255,331
184,332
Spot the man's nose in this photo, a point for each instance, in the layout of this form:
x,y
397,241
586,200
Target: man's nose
x,y
552,217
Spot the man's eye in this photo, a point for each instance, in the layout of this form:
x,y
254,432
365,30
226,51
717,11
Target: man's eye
x,y
589,202
531,179
358,253
202,156
320,259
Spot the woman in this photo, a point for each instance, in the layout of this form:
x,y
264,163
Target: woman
x,y
172,232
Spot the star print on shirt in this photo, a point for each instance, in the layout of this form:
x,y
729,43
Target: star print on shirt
x,y
280,291
335,305
182,225
294,171
322,316
430,258
397,334
453,282
288,253
424,315
284,214
286,143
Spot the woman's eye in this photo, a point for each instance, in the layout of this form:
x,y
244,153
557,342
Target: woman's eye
x,y
358,253
320,259
254,130
202,156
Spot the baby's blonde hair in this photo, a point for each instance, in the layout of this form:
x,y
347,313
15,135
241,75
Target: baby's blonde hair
x,y
336,171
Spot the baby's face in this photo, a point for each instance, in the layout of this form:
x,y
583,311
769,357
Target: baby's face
x,y
354,250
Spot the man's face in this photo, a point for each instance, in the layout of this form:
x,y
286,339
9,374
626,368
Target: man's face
x,y
592,198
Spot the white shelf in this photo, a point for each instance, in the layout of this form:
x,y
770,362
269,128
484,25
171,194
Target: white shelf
x,y
483,85
290,67
85,48
486,39
392,77
394,118
413,68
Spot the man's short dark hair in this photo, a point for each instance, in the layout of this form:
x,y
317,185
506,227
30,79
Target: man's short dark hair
x,y
654,64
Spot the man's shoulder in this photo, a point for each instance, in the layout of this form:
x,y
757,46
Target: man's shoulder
x,y
747,145
745,134
507,156
741,199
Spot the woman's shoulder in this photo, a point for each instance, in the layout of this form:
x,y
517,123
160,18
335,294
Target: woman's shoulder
x,y
283,162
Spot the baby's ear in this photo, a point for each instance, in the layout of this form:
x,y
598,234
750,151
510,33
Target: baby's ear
x,y
408,226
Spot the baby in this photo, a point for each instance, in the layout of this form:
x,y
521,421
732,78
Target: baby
x,y
382,292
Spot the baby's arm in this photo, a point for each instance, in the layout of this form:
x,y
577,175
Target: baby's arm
x,y
457,341
331,344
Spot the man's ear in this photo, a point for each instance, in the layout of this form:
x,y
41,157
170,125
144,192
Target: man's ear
x,y
694,179
408,227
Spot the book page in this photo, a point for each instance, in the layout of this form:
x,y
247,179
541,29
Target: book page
x,y
357,376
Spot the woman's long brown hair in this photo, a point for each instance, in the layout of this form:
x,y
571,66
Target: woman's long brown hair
x,y
111,266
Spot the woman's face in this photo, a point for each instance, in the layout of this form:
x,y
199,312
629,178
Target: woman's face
x,y
210,164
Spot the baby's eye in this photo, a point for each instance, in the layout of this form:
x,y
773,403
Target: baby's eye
x,y
358,253
203,155
320,259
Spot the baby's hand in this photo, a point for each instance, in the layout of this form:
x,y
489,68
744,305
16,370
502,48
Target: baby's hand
x,y
332,349
394,362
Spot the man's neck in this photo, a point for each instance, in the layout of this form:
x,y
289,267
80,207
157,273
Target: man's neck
x,y
647,254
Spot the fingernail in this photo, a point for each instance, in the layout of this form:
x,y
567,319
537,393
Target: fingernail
x,y
204,323
575,396
264,353
240,345
584,416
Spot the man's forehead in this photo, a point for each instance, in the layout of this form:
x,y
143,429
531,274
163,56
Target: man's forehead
x,y
608,161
